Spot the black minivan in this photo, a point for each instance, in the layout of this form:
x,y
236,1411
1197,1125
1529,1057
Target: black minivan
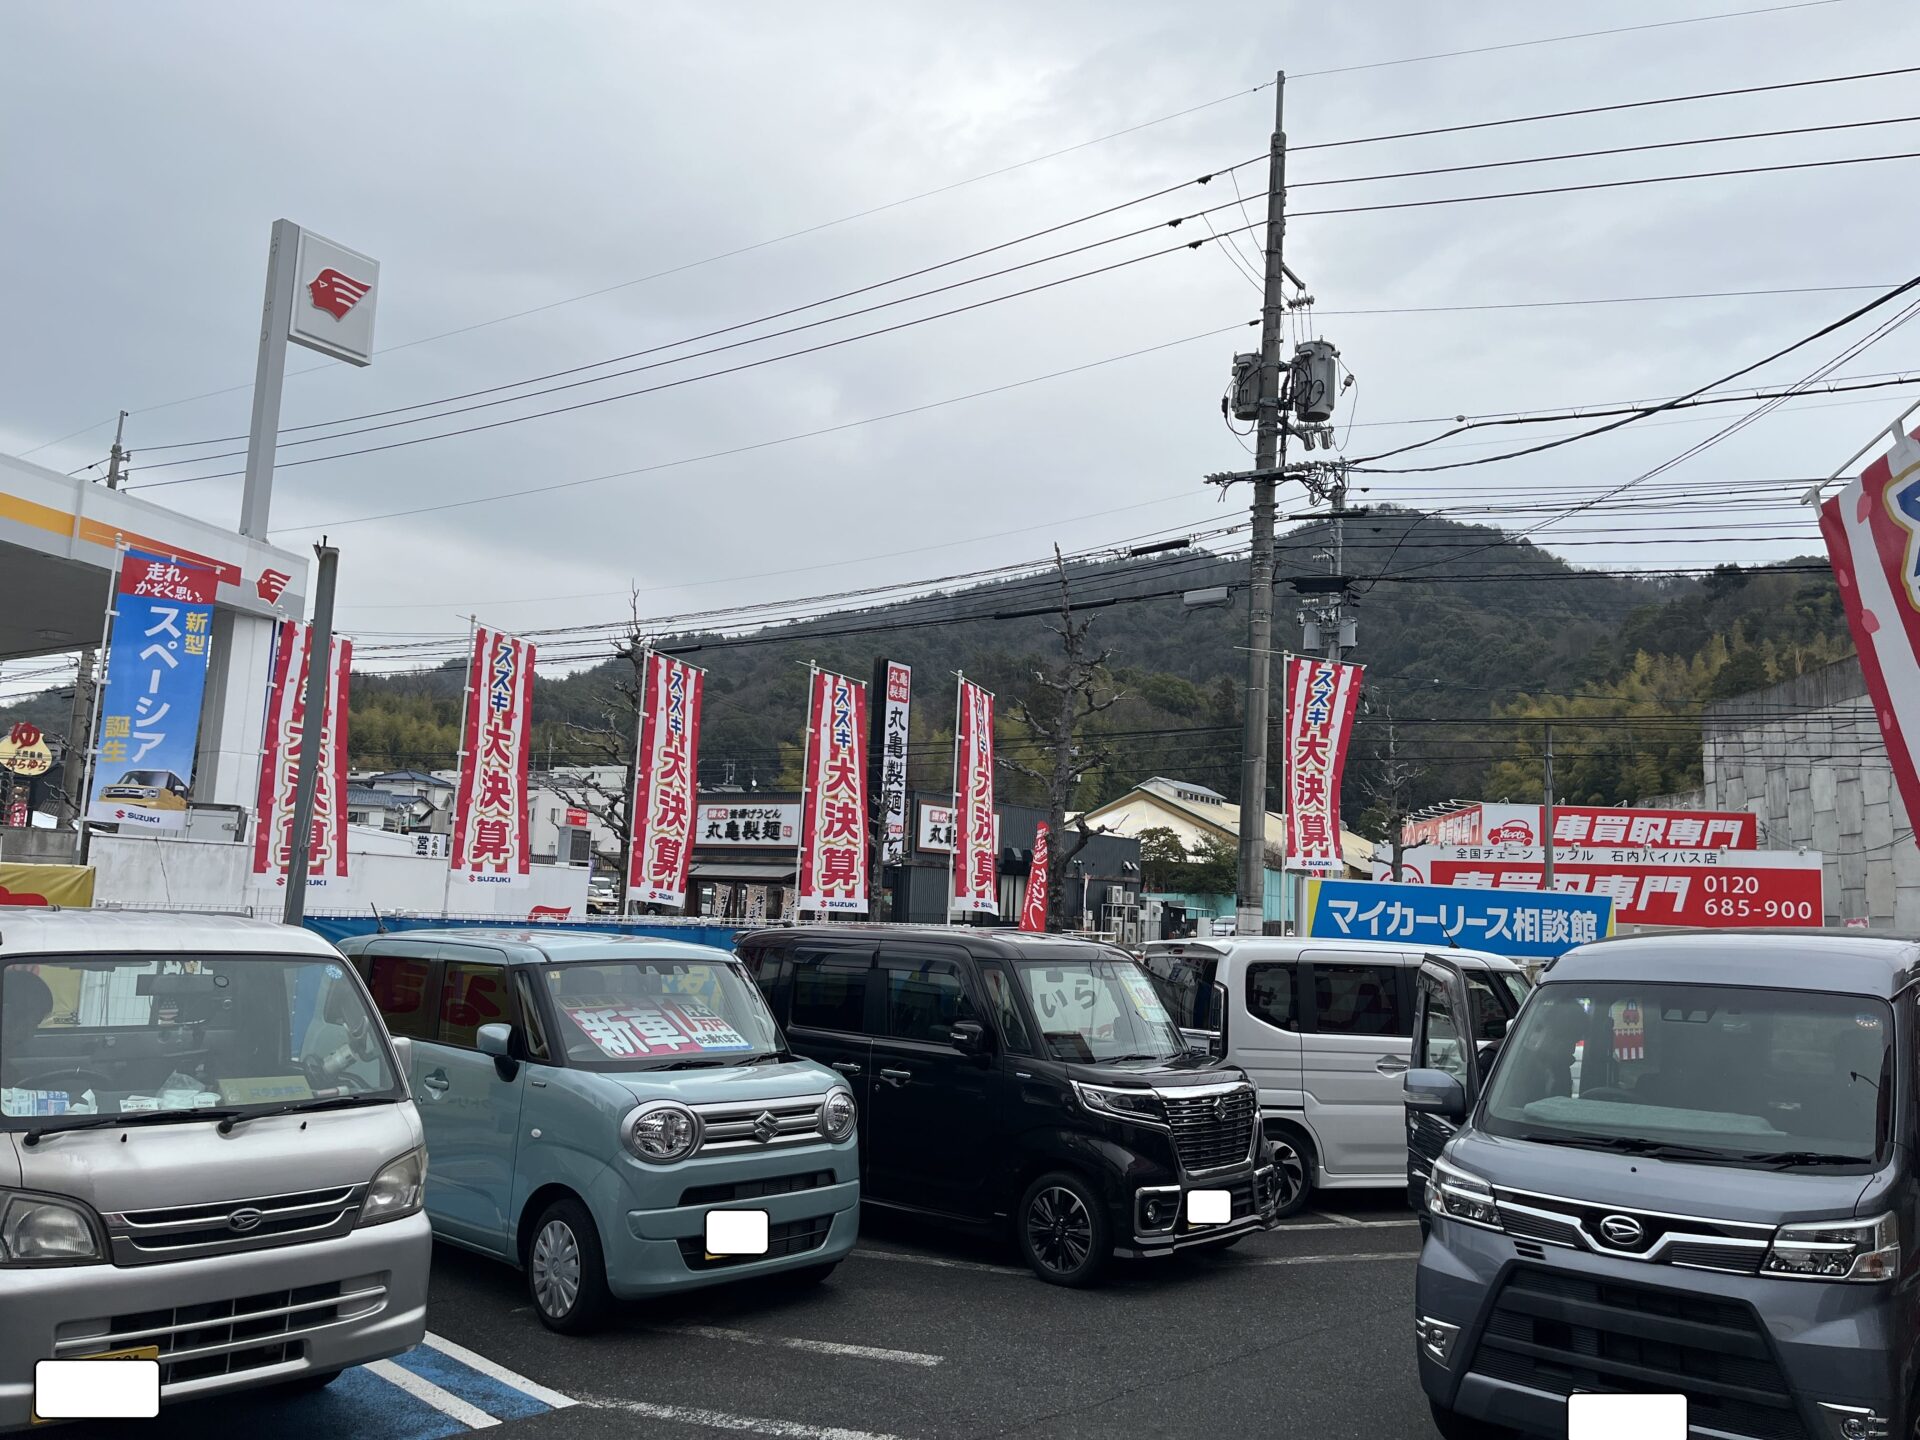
x,y
1028,1079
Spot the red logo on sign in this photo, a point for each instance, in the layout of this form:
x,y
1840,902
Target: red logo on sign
x,y
336,293
577,819
25,732
549,912
270,584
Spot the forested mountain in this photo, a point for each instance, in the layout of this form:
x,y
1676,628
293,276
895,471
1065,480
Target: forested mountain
x,y
1469,639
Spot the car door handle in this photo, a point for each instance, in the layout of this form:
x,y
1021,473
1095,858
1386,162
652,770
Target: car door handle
x,y
437,1082
1391,1065
846,1067
896,1078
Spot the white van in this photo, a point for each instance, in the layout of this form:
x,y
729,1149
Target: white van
x,y
1325,1028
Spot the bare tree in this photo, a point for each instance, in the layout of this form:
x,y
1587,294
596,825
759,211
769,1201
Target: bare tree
x,y
609,742
1389,785
1075,691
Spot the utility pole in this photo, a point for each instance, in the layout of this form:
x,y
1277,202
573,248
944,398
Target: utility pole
x,y
117,455
78,716
1546,814
313,729
1269,460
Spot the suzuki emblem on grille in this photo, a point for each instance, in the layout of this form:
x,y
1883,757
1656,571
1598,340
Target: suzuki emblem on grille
x,y
1622,1230
244,1219
1220,1108
765,1126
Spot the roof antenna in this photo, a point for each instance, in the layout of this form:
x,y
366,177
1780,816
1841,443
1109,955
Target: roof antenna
x,y
379,925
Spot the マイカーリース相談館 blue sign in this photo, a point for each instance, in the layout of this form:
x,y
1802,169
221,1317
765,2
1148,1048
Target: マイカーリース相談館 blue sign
x,y
1525,924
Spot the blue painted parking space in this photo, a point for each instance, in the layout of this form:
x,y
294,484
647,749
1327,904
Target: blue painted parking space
x,y
434,1390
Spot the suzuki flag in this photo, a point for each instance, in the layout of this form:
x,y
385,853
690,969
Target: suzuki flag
x,y
1872,528
976,886
665,770
891,755
1321,696
280,760
1033,907
157,656
833,806
490,805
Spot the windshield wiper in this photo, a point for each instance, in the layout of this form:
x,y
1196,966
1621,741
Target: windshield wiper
x,y
772,1057
1116,1059
231,1118
687,1065
137,1117
1631,1145
1788,1159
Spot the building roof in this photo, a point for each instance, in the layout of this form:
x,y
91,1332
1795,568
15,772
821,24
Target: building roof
x,y
27,932
410,777
366,797
1207,809
1760,959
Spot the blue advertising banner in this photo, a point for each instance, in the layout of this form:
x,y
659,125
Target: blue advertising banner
x,y
156,676
1522,924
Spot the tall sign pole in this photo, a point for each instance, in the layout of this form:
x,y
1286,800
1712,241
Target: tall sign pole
x,y
1269,460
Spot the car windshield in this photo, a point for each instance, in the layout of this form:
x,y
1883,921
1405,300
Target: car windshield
x,y
1718,1073
153,779
134,1035
1099,1009
660,1014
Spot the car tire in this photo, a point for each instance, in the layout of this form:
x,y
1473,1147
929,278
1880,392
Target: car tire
x,y
1452,1425
1293,1166
567,1271
1063,1231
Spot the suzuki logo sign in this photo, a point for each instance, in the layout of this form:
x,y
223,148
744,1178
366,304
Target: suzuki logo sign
x,y
336,293
270,584
333,295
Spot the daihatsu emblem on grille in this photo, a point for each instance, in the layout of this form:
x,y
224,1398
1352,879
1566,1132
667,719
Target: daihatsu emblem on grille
x,y
244,1219
1622,1230
766,1125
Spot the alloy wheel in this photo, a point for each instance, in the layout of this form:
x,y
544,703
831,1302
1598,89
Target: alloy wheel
x,y
1059,1229
1289,1172
555,1264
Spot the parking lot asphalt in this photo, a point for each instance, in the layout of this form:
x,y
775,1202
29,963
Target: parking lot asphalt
x,y
919,1335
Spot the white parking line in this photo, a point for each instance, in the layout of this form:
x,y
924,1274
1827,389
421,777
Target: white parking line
x,y
499,1372
1333,1219
750,1424
863,1253
447,1403
1328,1259
822,1347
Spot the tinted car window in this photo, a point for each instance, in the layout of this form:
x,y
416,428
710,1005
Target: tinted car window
x,y
1270,994
830,993
472,994
399,986
1185,983
924,998
1358,1000
1013,1029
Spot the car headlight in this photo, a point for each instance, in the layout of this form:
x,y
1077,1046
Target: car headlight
x,y
397,1190
1861,1250
1461,1195
1141,1106
838,1115
42,1230
661,1132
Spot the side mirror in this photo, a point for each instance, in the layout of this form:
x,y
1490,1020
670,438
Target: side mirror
x,y
403,1059
1434,1092
495,1040
969,1037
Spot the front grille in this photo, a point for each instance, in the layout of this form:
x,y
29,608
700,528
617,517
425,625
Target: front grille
x,y
186,1232
1563,1333
1705,1255
1539,1227
792,1237
1212,1132
730,1126
225,1337
756,1189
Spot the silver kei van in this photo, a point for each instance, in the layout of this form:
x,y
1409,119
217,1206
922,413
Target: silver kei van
x,y
1324,1027
208,1156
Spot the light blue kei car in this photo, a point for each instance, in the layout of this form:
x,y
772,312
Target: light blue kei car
x,y
590,1099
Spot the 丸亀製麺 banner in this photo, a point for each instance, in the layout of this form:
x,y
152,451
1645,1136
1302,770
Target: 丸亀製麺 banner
x,y
1033,905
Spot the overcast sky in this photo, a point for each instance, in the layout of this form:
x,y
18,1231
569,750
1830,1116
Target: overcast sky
x,y
496,158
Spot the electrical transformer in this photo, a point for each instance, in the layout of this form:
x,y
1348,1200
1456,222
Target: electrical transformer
x,y
1246,387
1316,381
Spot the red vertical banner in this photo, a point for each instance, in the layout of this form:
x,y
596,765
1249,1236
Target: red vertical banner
x,y
1033,906
490,803
1321,698
666,768
976,888
280,759
833,804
